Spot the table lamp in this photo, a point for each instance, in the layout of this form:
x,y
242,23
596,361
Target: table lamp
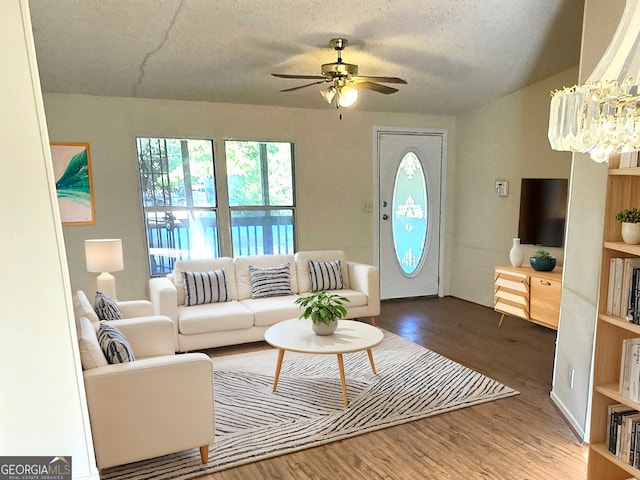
x,y
104,256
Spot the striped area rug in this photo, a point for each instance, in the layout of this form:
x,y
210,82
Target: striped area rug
x,y
252,423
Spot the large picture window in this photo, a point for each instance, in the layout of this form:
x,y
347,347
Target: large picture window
x,y
261,197
179,200
185,219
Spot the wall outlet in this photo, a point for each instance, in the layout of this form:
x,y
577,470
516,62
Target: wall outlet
x,y
572,378
367,206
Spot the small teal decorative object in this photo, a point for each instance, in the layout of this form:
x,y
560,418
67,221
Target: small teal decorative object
x,y
542,261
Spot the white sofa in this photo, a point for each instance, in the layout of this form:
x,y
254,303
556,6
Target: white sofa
x,y
244,319
160,403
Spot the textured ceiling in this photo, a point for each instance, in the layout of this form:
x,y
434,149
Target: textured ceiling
x,y
454,54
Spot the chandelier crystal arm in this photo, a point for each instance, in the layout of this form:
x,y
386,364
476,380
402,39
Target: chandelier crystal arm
x,y
602,117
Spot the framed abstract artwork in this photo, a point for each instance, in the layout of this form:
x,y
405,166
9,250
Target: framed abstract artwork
x,y
72,171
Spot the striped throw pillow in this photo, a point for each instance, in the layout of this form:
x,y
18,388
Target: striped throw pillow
x,y
325,275
205,287
270,281
114,345
106,308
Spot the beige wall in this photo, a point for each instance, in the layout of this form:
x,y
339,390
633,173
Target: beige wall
x,y
334,168
507,140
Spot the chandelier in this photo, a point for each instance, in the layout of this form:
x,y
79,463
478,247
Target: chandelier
x,y
602,117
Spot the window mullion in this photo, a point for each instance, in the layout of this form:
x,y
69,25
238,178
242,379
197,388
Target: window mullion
x,y
164,171
186,170
224,215
264,174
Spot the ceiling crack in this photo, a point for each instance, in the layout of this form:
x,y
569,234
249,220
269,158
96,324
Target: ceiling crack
x,y
148,55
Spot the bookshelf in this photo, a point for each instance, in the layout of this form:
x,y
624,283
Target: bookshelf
x,y
623,191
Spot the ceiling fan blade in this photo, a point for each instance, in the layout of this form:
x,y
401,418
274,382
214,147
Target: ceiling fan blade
x,y
376,87
383,79
303,86
304,77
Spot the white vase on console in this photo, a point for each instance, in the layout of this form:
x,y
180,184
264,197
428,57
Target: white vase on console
x,y
516,254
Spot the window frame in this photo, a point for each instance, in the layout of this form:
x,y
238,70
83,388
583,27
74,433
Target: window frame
x,y
222,210
264,180
188,207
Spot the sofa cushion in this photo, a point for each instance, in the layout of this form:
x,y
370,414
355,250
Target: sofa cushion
x,y
205,287
213,317
325,275
204,265
91,355
269,311
82,308
356,299
106,307
114,345
302,266
243,278
270,281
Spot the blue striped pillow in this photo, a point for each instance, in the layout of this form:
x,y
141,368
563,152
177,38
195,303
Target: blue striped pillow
x,y
106,308
114,345
325,275
270,281
205,287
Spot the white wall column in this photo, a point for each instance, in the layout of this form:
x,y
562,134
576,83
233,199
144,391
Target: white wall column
x,y
42,406
583,247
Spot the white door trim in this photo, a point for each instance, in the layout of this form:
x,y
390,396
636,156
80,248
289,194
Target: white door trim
x,y
443,183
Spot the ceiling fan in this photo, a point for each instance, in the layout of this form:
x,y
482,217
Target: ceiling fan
x,y
344,79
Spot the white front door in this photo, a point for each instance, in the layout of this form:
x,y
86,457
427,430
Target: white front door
x,y
409,211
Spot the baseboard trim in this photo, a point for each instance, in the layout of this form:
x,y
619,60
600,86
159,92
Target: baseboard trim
x,y
568,418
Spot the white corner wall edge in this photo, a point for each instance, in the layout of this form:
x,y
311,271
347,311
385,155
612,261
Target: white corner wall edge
x,y
568,417
43,409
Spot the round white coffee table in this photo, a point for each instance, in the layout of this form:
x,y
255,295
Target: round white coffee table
x,y
297,336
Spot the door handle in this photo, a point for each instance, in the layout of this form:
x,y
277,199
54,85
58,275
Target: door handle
x,y
385,217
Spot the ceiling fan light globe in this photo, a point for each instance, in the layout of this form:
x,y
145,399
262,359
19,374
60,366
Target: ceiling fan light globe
x,y
328,94
347,97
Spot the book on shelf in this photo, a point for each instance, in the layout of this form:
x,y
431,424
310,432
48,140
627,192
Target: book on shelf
x,y
630,269
627,437
624,288
633,308
617,413
617,286
628,159
629,383
611,285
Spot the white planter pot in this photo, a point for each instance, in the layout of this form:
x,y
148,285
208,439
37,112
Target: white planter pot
x,y
631,233
323,329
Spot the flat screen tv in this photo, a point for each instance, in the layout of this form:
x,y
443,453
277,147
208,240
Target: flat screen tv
x,y
543,211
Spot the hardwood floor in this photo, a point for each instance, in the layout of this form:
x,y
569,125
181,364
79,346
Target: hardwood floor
x,y
521,437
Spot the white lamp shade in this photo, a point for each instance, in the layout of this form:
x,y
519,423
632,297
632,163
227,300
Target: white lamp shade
x,y
347,96
328,94
104,255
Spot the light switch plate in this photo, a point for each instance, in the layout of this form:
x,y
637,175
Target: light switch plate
x,y
502,188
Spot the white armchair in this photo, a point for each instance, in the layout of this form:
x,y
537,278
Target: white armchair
x,y
158,404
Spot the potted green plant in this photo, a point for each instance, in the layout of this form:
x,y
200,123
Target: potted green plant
x,y
630,220
542,261
324,309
